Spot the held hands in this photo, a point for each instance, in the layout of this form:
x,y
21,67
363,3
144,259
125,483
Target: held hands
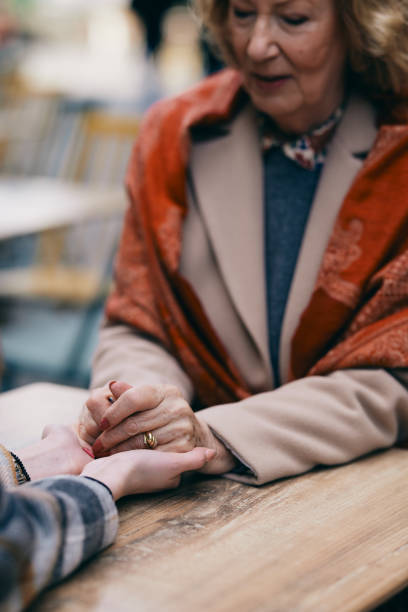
x,y
60,452
115,419
145,471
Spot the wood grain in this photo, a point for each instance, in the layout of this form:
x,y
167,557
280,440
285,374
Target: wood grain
x,y
335,539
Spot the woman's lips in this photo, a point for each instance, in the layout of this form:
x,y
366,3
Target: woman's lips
x,y
269,83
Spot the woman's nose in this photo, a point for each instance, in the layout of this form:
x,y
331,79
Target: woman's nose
x,y
263,43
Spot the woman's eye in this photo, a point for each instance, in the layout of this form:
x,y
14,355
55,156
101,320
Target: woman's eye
x,y
295,21
240,14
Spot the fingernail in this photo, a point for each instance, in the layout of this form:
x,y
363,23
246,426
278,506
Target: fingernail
x,y
104,424
112,382
209,454
88,452
97,447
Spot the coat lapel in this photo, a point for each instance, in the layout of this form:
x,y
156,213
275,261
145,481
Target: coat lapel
x,y
228,178
227,174
354,138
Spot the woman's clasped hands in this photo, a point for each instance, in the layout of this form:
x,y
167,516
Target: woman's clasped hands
x,y
119,417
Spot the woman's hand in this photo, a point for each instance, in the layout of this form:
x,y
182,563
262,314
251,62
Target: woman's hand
x,y
59,452
89,424
145,471
159,409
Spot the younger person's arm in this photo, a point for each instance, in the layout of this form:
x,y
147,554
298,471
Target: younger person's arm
x,y
47,529
50,526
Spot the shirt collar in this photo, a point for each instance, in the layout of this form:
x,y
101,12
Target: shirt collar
x,y
307,150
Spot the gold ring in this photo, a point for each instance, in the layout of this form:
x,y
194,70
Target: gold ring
x,y
149,440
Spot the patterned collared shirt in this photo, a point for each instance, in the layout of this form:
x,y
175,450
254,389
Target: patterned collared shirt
x,y
309,150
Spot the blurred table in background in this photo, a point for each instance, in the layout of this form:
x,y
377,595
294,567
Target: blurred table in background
x,y
29,205
62,199
75,72
52,301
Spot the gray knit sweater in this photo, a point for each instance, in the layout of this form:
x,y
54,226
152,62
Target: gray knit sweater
x,y
289,191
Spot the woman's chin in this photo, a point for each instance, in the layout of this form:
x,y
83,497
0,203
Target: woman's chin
x,y
289,116
275,105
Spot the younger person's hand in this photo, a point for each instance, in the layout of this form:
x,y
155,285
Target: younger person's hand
x,y
59,452
145,471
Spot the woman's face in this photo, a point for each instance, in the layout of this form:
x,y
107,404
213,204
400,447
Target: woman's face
x,y
291,54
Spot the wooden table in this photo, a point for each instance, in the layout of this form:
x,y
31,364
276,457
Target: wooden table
x,y
332,540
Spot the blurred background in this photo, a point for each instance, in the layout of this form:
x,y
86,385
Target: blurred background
x,y
76,77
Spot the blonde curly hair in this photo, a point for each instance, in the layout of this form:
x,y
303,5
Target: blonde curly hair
x,y
376,32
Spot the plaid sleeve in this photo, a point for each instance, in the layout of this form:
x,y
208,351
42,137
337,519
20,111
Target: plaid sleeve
x,y
8,474
47,529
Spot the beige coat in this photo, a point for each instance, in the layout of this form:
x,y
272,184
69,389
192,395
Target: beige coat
x,y
317,420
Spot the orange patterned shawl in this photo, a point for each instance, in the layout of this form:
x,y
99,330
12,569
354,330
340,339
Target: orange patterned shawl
x,y
358,313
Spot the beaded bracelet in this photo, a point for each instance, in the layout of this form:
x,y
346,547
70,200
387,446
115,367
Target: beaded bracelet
x,y
21,472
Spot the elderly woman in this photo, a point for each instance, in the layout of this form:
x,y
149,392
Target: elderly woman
x,y
262,276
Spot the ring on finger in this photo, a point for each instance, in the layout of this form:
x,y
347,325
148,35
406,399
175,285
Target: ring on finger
x,y
150,440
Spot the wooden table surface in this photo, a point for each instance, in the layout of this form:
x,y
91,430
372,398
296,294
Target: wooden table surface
x,y
334,539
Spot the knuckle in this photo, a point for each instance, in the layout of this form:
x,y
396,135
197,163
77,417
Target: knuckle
x,y
88,427
148,391
190,436
183,445
180,407
186,428
171,391
84,433
132,394
147,395
90,404
189,444
143,424
81,429
175,408
131,427
95,397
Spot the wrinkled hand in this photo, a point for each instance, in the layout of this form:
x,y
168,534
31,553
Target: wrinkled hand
x,y
89,424
159,409
145,471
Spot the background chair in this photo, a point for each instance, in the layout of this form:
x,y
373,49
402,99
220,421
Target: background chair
x,y
52,295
